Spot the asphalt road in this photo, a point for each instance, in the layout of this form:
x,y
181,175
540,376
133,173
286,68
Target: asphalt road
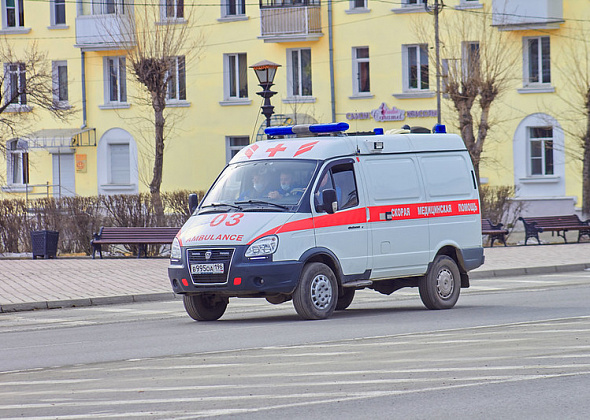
x,y
512,348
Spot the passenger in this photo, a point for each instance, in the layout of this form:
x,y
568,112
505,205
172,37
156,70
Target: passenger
x,y
260,188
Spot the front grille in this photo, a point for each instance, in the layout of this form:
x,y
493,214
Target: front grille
x,y
216,256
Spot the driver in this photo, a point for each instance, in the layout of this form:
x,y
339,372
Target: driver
x,y
287,187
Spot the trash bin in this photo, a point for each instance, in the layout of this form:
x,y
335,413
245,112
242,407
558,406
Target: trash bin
x,y
44,243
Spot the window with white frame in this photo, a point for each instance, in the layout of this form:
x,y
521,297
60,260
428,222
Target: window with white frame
x,y
233,144
60,82
413,2
231,8
115,80
17,160
537,61
173,9
360,71
236,73
358,4
13,14
299,72
16,83
416,67
176,80
541,151
58,12
109,7
119,168
471,60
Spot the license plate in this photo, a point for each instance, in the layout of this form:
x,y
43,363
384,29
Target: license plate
x,y
206,268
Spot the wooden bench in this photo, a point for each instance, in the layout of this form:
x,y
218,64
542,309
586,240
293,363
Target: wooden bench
x,y
559,224
140,236
494,231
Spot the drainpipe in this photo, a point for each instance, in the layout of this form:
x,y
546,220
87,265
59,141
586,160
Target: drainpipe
x,y
331,47
82,53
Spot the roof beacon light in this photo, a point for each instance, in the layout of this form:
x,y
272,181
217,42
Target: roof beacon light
x,y
307,129
439,128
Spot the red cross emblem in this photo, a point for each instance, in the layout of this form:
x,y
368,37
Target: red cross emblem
x,y
279,148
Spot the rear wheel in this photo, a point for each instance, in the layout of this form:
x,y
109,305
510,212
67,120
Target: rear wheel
x,y
204,307
440,287
345,299
317,292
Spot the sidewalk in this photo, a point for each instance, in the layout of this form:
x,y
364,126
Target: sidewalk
x,y
27,284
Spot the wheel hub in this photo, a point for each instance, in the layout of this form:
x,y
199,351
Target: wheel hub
x,y
445,283
321,292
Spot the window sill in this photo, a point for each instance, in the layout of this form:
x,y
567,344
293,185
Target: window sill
x,y
540,179
469,5
62,105
120,105
14,108
235,102
299,100
177,104
14,31
118,187
367,95
415,95
16,188
172,21
357,10
536,89
233,18
60,26
418,8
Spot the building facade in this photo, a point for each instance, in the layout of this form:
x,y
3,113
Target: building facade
x,y
369,63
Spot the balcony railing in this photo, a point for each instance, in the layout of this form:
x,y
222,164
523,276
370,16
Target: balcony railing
x,y
527,14
290,20
104,32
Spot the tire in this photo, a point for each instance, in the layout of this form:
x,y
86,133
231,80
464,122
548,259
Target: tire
x,y
440,287
204,307
317,292
345,300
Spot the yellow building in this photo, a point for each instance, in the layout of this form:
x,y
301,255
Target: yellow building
x,y
369,63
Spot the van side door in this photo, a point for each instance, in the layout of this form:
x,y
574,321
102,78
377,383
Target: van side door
x,y
344,232
399,238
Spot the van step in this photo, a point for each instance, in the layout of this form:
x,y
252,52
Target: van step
x,y
358,283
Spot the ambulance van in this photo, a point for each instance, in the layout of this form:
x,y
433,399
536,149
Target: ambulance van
x,y
312,215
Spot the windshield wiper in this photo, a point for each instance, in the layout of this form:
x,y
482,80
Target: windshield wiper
x,y
216,205
263,202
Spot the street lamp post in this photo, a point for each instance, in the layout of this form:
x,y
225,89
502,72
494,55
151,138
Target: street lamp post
x,y
265,72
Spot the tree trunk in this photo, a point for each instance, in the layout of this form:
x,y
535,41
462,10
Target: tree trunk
x,y
586,168
158,103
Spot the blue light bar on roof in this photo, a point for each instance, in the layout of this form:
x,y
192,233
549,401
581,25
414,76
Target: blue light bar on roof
x,y
307,129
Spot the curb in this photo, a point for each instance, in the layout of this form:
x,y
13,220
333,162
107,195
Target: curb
x,y
157,297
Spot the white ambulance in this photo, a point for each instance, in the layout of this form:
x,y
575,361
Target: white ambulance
x,y
313,214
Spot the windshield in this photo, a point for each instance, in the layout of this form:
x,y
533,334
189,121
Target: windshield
x,y
276,184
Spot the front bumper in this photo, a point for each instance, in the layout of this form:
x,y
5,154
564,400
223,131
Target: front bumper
x,y
246,278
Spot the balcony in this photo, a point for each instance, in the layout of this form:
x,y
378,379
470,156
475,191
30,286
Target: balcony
x,y
510,15
290,20
104,32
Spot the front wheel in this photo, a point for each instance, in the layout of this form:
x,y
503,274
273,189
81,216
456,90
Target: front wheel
x,y
317,292
345,299
440,287
204,307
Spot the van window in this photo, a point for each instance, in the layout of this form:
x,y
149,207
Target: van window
x,y
340,178
393,180
447,176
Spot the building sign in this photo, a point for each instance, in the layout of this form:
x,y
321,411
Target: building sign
x,y
81,163
384,113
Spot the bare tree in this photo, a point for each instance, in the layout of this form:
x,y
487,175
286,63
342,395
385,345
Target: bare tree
x,y
26,83
162,41
573,62
476,68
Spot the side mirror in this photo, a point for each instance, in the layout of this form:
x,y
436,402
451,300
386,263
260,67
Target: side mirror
x,y
329,201
193,202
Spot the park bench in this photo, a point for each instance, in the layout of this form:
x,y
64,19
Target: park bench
x,y
554,224
495,232
140,236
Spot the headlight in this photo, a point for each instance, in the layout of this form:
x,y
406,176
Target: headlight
x,y
263,246
175,252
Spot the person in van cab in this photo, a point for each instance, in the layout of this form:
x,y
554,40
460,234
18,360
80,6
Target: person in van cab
x,y
259,189
287,187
